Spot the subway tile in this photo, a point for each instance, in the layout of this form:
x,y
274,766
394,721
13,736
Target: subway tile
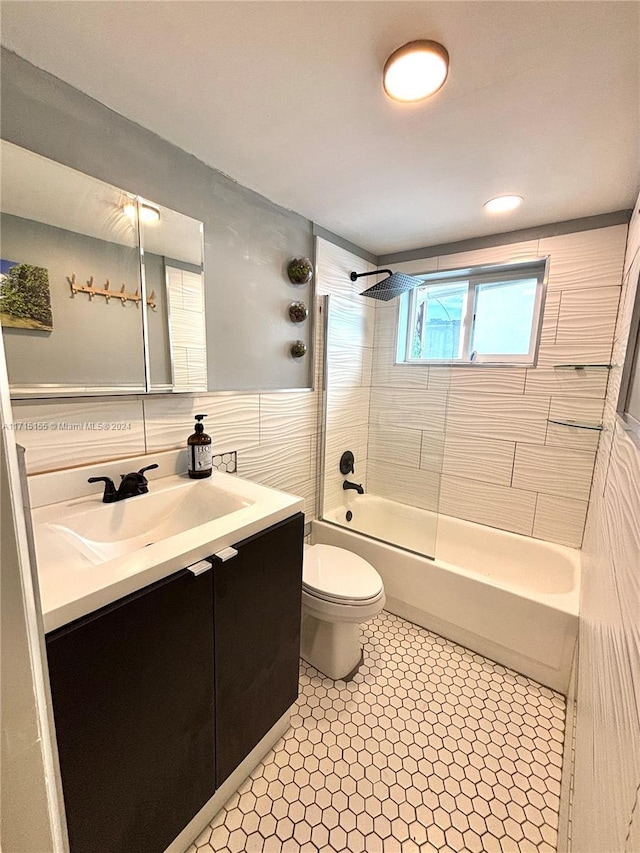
x,y
288,414
560,520
585,259
583,410
407,408
554,470
498,416
393,445
233,420
587,382
588,315
64,434
490,380
406,485
488,503
478,458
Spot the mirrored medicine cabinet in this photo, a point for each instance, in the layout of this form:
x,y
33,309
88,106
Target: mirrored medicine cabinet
x,y
101,291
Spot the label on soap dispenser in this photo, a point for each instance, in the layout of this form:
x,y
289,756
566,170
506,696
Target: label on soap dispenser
x,y
201,456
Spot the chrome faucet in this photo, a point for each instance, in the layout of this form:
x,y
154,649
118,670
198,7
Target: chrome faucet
x,y
357,488
131,485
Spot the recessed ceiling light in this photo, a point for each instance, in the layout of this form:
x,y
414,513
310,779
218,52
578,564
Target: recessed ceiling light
x,y
503,203
415,70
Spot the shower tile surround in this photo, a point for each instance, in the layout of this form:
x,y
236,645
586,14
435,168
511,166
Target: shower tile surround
x,y
502,463
430,748
425,425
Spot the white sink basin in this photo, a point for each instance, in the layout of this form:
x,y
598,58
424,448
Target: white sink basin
x,y
90,554
106,531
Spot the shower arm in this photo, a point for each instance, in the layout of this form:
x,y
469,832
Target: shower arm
x,y
354,276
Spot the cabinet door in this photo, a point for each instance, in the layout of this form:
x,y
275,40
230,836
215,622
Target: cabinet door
x,y
257,598
132,688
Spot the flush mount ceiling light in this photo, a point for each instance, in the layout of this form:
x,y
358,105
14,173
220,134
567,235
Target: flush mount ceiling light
x,y
503,203
148,213
415,71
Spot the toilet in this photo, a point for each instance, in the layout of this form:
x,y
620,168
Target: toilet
x,y
340,591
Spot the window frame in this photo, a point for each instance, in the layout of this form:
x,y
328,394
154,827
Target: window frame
x,y
484,274
630,368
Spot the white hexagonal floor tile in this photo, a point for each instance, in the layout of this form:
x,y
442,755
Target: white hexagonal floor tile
x,y
430,747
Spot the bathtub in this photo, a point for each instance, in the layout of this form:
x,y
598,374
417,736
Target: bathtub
x,y
509,597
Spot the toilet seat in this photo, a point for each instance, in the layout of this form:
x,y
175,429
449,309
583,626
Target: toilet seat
x,y
340,577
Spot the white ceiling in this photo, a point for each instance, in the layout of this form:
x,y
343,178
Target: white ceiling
x,y
543,100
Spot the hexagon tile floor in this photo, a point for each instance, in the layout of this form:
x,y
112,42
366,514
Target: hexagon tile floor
x,y
430,748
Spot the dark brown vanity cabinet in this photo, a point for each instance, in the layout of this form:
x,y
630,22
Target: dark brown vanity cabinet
x,y
257,599
160,695
132,689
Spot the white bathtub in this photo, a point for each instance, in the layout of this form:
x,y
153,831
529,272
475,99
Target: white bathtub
x,y
511,598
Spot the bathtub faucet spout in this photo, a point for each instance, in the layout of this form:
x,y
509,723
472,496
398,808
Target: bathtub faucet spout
x,y
358,488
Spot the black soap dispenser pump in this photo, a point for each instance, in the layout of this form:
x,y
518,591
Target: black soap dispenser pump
x,y
200,452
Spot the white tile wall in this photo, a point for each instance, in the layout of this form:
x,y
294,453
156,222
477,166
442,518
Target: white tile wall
x,y
350,334
64,433
486,503
606,779
478,458
559,519
503,464
553,470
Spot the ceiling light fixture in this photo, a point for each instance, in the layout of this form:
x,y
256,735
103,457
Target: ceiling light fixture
x,y
415,71
148,213
503,203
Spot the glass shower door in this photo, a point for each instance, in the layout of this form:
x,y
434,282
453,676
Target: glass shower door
x,y
391,417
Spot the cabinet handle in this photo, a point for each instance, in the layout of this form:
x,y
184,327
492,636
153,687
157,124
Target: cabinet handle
x,y
226,554
199,568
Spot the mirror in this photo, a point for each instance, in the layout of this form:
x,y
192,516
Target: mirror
x,y
101,292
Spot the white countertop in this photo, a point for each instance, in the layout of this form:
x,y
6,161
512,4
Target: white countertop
x,y
73,585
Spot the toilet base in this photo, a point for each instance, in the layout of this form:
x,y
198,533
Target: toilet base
x,y
333,648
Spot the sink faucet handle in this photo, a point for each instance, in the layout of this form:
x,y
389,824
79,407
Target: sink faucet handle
x,y
110,493
148,468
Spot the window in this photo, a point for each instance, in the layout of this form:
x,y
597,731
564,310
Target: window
x,y
482,315
629,400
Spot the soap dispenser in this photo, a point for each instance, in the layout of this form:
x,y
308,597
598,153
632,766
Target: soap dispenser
x,y
200,452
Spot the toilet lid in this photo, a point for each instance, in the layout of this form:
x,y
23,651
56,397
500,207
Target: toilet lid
x,y
334,573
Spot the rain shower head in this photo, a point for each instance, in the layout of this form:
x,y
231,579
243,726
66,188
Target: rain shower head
x,y
395,284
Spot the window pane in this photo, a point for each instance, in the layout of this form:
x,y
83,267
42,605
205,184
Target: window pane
x,y
503,317
440,310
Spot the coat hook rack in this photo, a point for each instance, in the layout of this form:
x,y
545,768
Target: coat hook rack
x,y
107,293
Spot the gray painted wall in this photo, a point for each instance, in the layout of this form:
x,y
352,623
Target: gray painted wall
x,y
248,239
93,342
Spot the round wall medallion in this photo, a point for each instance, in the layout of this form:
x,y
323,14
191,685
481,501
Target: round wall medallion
x,y
298,349
300,270
298,312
